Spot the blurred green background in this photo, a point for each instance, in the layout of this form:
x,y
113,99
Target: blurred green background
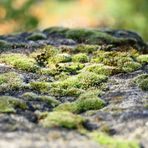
x,y
28,15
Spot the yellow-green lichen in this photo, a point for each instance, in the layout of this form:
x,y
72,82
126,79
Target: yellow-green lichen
x,y
86,101
10,104
62,119
143,59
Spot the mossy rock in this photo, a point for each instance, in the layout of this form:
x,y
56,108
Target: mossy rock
x,y
9,104
10,81
4,44
37,36
30,96
108,141
19,61
62,119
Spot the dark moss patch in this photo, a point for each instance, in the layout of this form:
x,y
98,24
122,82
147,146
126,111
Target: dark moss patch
x,y
36,36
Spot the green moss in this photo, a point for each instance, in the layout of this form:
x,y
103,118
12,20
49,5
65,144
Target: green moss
x,y
131,66
94,36
86,101
122,61
36,36
62,119
106,140
19,61
101,69
60,58
42,55
10,81
42,87
143,59
30,96
56,30
80,57
4,44
83,80
142,81
86,48
9,104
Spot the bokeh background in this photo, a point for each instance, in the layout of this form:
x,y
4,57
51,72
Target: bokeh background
x,y
28,15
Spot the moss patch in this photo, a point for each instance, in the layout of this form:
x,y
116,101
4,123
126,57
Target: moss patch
x,y
143,59
10,81
19,61
85,102
9,104
80,57
36,36
62,119
142,81
106,140
30,96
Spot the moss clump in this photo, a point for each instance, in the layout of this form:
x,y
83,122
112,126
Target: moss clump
x,y
60,58
82,81
123,61
143,59
106,140
62,119
80,57
142,81
56,30
4,44
19,61
9,104
101,69
42,55
36,36
86,48
10,81
85,102
42,87
30,96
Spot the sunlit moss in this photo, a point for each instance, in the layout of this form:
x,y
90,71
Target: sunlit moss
x,y
123,61
143,59
106,140
42,55
101,69
30,96
80,57
19,61
142,81
10,81
10,104
36,36
86,101
60,58
62,119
